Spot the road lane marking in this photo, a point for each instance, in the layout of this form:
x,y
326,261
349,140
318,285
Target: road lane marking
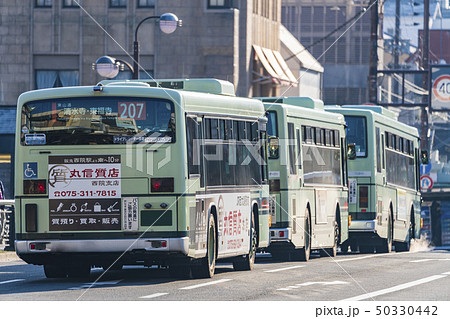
x,y
446,273
159,294
395,288
95,284
423,260
310,283
10,281
282,269
370,256
206,284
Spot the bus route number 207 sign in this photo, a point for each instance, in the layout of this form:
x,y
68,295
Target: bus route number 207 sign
x,y
84,192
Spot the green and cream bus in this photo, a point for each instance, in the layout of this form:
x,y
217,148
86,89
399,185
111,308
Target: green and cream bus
x,y
163,172
383,170
307,178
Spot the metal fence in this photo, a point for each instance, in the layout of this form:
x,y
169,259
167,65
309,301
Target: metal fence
x,y
7,224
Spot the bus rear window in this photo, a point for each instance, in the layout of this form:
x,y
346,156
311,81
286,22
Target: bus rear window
x,y
98,120
272,128
357,134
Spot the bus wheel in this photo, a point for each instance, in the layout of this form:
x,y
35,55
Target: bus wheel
x,y
306,251
79,271
246,262
207,264
386,246
55,271
344,247
332,252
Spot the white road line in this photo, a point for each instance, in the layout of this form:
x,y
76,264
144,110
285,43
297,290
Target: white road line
x,y
206,284
282,269
395,288
159,294
370,256
419,261
10,281
95,284
446,273
310,283
423,260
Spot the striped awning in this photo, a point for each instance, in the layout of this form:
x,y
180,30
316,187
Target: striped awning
x,y
276,68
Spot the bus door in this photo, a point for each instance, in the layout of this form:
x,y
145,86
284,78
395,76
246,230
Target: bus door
x,y
196,184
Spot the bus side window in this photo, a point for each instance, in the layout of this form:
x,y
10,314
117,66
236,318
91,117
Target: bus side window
x,y
291,142
299,150
193,146
344,162
378,151
382,151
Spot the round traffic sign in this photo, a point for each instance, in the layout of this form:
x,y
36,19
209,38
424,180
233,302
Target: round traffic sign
x,y
441,88
426,182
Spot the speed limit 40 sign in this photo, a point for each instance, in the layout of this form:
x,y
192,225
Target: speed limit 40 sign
x,y
440,87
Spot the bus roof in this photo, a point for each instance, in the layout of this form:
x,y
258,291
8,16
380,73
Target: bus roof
x,y
374,108
213,86
301,101
302,107
196,95
379,114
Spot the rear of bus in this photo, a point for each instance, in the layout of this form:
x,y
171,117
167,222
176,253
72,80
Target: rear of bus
x,y
362,177
95,179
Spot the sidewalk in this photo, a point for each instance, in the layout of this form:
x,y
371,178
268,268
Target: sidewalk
x,y
7,255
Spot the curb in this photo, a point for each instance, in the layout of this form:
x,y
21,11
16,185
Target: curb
x,y
8,256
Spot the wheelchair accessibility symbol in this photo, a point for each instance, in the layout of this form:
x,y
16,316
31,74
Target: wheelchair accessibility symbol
x,y
29,170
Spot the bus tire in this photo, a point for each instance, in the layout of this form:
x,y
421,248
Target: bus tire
x,y
207,265
305,252
247,262
55,271
386,246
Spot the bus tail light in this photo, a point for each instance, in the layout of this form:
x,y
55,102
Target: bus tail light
x,y
349,220
34,186
30,217
364,197
421,223
162,185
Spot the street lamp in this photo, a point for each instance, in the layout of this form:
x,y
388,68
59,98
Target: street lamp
x,y
109,67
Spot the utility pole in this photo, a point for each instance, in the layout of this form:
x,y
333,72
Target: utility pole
x,y
396,48
425,81
373,60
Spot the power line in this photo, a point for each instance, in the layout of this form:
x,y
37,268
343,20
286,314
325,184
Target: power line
x,y
355,17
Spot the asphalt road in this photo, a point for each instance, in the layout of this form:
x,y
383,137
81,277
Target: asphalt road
x,y
407,276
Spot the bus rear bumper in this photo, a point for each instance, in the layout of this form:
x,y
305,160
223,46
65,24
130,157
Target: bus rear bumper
x,y
280,234
157,245
362,226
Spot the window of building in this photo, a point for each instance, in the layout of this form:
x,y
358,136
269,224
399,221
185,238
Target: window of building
x,y
289,18
117,3
219,4
53,78
44,3
146,3
71,3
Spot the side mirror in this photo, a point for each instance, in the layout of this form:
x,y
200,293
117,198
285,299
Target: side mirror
x,y
351,151
273,147
424,157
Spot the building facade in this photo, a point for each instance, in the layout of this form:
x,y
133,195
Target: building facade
x,y
337,33
53,43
